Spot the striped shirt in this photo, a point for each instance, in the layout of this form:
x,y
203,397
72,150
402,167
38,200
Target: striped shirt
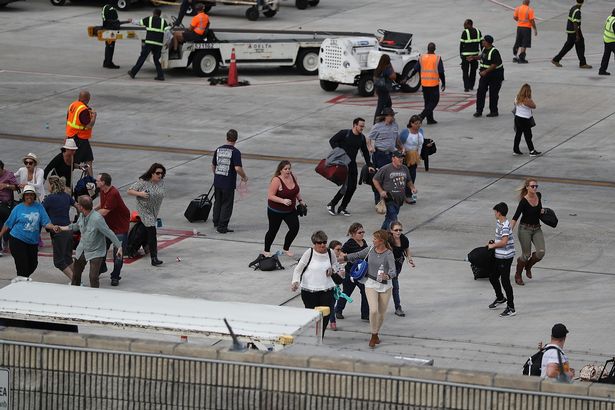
x,y
503,229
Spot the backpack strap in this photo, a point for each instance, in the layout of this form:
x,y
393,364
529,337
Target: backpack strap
x,y
307,264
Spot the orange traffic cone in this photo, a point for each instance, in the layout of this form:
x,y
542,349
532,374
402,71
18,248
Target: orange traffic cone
x,y
232,71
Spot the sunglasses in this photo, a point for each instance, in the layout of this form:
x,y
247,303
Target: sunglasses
x,y
533,186
28,162
360,232
397,230
320,243
159,173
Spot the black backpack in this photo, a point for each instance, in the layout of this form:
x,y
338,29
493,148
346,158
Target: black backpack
x,y
137,237
533,365
266,263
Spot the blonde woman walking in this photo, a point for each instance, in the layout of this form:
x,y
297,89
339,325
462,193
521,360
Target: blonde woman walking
x,y
524,120
529,209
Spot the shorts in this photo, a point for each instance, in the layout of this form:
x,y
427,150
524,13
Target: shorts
x,y
190,35
524,37
84,151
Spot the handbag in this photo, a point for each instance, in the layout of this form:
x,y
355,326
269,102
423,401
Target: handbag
x,y
532,122
412,158
266,263
381,207
548,217
359,267
302,210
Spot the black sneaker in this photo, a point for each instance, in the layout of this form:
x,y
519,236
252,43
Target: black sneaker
x,y
517,153
535,153
331,210
338,315
478,114
497,302
115,281
522,61
603,73
131,74
343,212
508,312
515,60
492,114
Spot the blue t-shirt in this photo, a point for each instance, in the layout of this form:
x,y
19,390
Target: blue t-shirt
x,y
58,206
25,222
225,159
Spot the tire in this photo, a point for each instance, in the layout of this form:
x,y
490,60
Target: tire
x,y
313,3
414,83
122,5
307,61
328,85
366,85
58,2
252,13
270,13
205,63
301,4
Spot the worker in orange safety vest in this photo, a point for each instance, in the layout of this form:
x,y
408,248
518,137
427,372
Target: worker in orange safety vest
x,y
431,70
80,120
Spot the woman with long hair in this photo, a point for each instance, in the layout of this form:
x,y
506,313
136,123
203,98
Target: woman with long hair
x,y
524,120
149,190
384,75
31,174
401,251
412,138
380,271
282,198
58,204
529,232
355,243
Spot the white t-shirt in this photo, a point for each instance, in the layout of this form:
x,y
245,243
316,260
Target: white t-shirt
x,y
523,111
550,356
315,277
37,181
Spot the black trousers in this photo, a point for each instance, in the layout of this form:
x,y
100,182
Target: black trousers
x,y
468,72
608,49
223,207
522,126
493,84
152,241
145,50
571,41
384,100
275,220
501,273
348,189
320,298
431,96
109,49
25,256
62,249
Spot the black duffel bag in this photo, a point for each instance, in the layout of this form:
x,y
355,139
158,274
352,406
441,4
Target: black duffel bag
x,y
482,260
548,217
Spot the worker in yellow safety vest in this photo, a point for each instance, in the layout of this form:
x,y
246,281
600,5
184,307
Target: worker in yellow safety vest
x,y
469,45
431,70
574,37
609,43
80,119
491,71
155,27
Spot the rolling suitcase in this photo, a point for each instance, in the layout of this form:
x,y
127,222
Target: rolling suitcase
x,y
199,208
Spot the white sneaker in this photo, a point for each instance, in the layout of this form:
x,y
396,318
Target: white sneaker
x,y
331,210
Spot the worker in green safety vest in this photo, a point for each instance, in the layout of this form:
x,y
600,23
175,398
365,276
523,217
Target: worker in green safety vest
x,y
469,45
491,70
154,40
609,43
574,37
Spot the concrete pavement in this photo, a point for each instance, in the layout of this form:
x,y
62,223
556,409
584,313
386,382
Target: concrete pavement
x,y
283,114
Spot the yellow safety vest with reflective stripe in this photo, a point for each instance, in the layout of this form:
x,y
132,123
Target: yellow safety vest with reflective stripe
x,y
429,70
609,34
470,40
482,61
573,19
153,29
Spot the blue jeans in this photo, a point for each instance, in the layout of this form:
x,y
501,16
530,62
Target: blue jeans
x,y
348,287
391,215
396,300
380,159
118,262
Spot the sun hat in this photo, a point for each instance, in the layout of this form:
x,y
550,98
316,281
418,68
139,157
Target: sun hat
x,y
30,156
70,144
28,189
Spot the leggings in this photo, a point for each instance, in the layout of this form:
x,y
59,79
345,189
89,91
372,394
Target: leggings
x,y
378,303
152,241
25,256
275,220
528,235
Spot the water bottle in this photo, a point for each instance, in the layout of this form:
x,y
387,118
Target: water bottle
x,y
380,275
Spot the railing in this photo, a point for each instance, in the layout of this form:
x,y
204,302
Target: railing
x,y
58,377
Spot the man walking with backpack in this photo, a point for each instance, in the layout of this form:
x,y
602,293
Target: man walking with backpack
x,y
555,364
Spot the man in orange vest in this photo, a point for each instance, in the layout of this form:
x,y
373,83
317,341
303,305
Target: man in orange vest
x,y
197,31
431,69
80,120
524,16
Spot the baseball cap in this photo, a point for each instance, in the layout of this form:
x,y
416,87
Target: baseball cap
x,y
488,39
398,154
559,331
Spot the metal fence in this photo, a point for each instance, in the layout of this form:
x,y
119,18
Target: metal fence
x,y
52,377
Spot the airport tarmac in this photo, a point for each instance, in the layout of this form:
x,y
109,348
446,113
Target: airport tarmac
x,y
47,58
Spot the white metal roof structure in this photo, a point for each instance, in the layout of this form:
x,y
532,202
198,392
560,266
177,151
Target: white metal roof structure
x,y
77,305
